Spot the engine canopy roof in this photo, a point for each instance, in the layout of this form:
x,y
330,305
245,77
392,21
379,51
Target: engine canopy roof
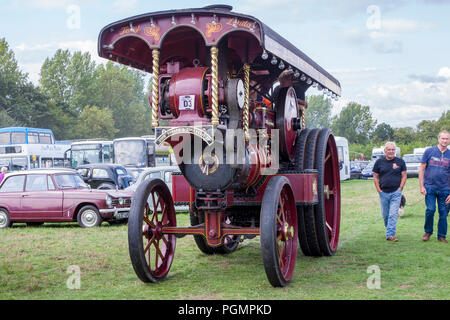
x,y
131,40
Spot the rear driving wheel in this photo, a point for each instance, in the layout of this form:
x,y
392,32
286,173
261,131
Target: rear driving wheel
x,y
307,221
328,210
278,231
151,251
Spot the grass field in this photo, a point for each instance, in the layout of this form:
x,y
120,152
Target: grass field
x,y
34,261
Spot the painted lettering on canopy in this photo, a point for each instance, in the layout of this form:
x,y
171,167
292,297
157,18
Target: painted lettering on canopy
x,y
126,30
153,31
235,22
212,28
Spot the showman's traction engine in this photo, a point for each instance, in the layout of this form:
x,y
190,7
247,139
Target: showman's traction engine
x,y
228,95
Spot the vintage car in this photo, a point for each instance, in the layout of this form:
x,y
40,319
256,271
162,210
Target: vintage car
x,y
367,172
105,175
412,162
38,196
160,172
356,168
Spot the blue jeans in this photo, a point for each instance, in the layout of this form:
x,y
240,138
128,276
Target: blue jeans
x,y
390,203
431,198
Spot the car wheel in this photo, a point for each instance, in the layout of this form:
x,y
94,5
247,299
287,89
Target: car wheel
x,y
5,221
89,217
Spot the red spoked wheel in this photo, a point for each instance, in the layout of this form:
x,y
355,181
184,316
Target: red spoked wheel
x,y
328,210
151,251
279,231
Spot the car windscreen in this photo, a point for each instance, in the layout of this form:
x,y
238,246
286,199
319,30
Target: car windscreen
x,y
80,157
66,181
130,153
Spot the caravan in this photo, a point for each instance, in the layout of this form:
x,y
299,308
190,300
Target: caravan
x,y
379,152
344,158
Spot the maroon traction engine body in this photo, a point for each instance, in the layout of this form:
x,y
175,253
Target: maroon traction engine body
x,y
228,96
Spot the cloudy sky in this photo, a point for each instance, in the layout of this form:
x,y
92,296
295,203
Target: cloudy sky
x,y
392,55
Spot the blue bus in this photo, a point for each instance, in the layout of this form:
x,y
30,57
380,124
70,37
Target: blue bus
x,y
25,135
24,148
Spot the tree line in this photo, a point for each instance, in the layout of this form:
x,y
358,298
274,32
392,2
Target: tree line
x,y
355,122
75,97
79,99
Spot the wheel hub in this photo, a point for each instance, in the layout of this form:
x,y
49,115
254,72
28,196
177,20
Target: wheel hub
x,y
157,230
89,217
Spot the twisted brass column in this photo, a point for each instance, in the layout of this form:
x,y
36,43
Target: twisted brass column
x,y
155,88
246,107
215,86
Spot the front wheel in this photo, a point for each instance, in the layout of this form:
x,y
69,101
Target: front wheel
x,y
279,231
89,217
151,251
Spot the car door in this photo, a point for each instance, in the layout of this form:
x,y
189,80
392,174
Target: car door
x,y
11,194
41,200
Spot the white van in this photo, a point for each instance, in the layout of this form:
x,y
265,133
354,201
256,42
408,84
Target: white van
x,y
379,152
344,158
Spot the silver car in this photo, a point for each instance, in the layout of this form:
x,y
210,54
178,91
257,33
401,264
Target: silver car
x,y
161,172
412,162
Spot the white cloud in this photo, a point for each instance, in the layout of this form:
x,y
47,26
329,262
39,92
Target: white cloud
x,y
26,47
444,72
396,27
408,103
124,6
49,4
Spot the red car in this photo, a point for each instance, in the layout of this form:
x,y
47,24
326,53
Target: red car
x,y
58,195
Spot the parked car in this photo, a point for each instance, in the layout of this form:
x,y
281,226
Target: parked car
x,y
38,196
105,175
367,172
412,162
161,172
356,168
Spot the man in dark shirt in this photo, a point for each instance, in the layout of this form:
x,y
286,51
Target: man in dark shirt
x,y
389,177
434,175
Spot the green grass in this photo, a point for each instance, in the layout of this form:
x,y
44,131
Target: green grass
x,y
34,261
